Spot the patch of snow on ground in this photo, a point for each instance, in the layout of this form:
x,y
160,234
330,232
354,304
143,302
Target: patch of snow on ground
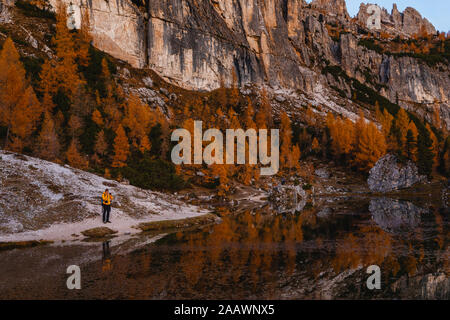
x,y
44,200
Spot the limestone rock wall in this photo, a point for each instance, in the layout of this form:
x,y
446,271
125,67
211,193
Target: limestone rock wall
x,y
199,44
117,27
413,85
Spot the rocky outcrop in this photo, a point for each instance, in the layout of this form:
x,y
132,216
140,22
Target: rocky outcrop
x,y
414,85
408,22
395,216
334,7
388,175
201,44
287,198
4,13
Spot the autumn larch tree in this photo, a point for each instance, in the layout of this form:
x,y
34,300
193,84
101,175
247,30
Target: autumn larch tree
x,y
411,142
74,157
27,112
139,120
342,134
286,141
370,148
19,108
221,171
315,146
121,148
401,125
97,118
62,73
294,157
101,146
385,119
47,146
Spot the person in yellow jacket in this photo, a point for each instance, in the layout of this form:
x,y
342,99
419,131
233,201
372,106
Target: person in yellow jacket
x,y
106,204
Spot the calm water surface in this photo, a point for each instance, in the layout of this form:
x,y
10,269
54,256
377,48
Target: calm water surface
x,y
314,254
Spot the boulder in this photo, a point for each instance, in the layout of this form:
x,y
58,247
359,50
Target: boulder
x,y
287,198
100,232
148,81
325,212
388,175
322,173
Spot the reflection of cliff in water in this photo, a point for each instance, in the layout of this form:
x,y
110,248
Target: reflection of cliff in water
x,y
430,287
394,215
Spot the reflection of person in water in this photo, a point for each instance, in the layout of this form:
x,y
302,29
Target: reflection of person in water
x,y
106,259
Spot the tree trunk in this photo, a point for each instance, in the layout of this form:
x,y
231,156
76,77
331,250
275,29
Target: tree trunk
x,y
7,137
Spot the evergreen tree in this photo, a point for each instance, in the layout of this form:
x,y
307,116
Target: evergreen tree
x,y
48,146
425,154
101,146
410,145
401,124
435,146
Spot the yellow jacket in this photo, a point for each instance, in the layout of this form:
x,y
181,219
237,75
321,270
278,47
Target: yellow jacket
x,y
107,198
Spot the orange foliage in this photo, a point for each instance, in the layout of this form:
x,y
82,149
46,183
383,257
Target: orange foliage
x,y
19,108
121,148
47,146
74,157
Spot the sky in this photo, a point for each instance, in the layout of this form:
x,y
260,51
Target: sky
x,y
436,11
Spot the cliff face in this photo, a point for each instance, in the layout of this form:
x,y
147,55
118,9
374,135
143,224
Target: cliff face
x,y
198,44
412,84
117,27
406,23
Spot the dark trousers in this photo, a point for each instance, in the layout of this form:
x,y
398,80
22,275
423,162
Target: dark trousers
x,y
106,212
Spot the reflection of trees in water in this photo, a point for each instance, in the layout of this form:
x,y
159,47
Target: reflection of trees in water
x,y
404,239
246,250
246,244
250,255
106,257
369,246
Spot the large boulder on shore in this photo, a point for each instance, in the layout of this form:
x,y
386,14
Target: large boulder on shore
x,y
389,175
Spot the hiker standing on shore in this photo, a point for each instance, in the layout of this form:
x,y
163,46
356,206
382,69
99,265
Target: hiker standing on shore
x,y
106,204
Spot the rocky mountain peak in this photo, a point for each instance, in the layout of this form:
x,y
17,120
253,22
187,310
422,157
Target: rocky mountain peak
x,y
337,7
407,23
